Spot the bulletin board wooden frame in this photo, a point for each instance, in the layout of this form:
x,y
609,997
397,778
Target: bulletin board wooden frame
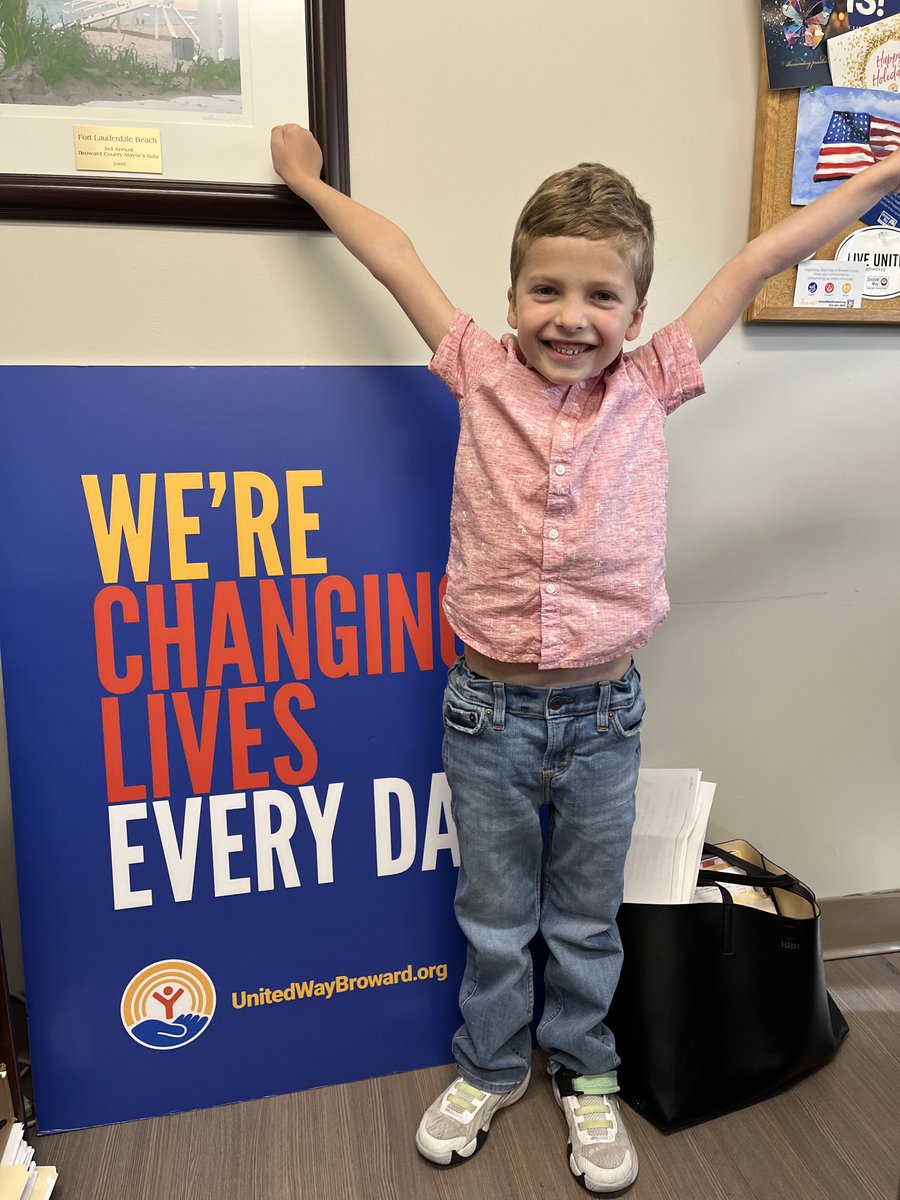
x,y
776,131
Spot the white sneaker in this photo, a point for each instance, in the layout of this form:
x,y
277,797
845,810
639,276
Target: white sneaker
x,y
601,1155
456,1125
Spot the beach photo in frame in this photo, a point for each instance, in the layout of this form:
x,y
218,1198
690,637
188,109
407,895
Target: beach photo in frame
x,y
210,161
773,176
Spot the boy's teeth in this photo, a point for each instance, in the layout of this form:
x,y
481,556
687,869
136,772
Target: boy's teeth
x,y
570,350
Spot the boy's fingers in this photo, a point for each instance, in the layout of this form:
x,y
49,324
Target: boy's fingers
x,y
283,131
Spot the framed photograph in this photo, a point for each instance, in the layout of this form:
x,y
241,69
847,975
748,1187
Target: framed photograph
x,y
159,113
794,169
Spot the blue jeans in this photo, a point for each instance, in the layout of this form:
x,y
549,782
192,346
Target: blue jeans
x,y
509,749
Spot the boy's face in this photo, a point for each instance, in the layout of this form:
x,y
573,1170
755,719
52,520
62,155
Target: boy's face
x,y
573,306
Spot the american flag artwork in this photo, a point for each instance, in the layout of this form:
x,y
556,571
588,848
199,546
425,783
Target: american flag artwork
x,y
852,142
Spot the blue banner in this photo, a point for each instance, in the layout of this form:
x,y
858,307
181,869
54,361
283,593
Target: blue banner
x,y
223,656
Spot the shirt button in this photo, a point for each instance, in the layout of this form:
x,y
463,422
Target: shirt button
x,y
553,534
560,469
565,424
551,588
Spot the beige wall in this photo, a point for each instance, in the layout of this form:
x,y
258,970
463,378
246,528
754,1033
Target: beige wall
x,y
776,671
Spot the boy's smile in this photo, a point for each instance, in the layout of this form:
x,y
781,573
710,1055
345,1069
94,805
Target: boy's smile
x,y
573,306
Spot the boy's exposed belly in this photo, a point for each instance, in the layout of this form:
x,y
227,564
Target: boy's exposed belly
x,y
529,674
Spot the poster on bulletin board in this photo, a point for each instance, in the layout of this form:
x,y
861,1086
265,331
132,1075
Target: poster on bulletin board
x,y
223,656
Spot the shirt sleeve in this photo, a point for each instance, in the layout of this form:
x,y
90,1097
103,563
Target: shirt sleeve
x,y
464,354
669,364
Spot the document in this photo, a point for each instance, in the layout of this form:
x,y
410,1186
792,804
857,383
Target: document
x,y
672,812
13,1182
20,1177
12,1145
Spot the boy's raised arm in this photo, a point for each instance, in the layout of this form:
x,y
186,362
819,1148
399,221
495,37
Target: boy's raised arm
x,y
729,292
376,242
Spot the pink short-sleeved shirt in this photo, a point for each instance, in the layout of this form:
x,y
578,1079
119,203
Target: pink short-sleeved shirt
x,y
558,518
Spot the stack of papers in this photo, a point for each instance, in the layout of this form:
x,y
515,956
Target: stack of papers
x,y
20,1177
26,1183
672,811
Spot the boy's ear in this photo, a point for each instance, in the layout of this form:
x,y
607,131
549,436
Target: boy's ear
x,y
637,320
512,318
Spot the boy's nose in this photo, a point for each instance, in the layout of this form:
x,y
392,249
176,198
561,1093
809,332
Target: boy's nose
x,y
570,315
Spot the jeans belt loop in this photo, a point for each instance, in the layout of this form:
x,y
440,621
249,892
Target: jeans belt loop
x,y
603,707
499,705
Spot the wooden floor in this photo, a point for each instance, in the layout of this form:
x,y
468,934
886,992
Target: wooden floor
x,y
836,1136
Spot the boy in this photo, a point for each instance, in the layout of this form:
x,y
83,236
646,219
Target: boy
x,y
555,577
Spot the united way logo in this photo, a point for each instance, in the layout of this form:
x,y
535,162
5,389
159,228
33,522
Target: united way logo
x,y
168,1004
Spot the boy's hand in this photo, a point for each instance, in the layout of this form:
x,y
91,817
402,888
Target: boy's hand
x,y
296,155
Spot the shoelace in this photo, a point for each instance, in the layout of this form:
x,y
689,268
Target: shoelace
x,y
592,1116
463,1095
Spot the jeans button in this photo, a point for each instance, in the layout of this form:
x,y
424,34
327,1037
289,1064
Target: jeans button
x,y
556,702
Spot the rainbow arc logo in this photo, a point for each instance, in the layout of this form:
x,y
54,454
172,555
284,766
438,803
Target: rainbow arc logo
x,y
168,1004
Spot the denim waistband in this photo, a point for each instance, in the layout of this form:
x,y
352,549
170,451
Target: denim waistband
x,y
524,700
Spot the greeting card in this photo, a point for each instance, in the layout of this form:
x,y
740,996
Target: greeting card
x,y
867,57
799,35
840,132
795,35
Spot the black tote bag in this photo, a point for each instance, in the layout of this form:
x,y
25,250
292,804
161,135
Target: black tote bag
x,y
721,1005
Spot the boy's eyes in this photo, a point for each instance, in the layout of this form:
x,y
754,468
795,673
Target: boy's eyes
x,y
546,289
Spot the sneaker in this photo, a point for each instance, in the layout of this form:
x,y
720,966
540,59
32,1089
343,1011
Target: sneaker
x,y
601,1155
456,1125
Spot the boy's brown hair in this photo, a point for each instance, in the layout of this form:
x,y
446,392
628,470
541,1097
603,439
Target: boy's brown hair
x,y
591,201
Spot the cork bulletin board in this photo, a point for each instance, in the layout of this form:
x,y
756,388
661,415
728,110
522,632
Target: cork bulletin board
x,y
776,131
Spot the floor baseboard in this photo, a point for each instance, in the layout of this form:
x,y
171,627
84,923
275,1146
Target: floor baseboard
x,y
868,923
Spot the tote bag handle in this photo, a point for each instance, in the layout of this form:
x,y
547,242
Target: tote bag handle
x,y
758,876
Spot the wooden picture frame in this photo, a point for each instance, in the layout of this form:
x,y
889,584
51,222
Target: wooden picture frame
x,y
182,202
776,131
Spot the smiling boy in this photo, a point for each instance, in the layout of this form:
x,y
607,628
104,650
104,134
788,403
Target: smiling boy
x,y
573,306
555,577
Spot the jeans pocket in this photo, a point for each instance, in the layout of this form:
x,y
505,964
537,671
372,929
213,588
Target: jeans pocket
x,y
464,718
627,720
